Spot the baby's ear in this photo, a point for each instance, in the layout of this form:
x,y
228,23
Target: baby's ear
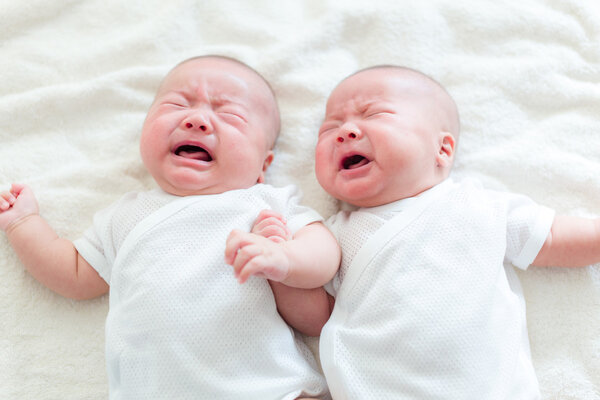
x,y
447,145
266,163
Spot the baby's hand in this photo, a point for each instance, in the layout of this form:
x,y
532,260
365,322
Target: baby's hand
x,y
271,225
15,204
251,254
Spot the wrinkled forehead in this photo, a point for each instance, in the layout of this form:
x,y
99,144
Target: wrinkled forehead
x,y
222,76
377,84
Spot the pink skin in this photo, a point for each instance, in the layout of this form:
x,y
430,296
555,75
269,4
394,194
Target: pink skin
x,y
379,141
209,130
252,255
271,225
281,258
16,204
306,310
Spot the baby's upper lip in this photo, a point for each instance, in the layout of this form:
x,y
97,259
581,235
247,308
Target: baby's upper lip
x,y
193,149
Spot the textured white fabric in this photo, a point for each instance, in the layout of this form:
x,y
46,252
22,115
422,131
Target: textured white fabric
x,y
78,77
179,325
425,307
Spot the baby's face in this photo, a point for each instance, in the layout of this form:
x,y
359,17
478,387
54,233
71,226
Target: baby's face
x,y
209,129
379,140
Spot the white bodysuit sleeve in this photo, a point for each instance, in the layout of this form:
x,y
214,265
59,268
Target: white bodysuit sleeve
x,y
528,226
286,201
96,246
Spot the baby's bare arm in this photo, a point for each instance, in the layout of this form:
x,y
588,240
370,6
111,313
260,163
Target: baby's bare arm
x,y
316,256
307,261
572,242
306,310
51,260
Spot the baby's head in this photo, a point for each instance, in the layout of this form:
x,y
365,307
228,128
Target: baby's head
x,y
389,133
211,127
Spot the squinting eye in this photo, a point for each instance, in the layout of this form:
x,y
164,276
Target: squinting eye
x,y
170,103
326,127
377,113
233,115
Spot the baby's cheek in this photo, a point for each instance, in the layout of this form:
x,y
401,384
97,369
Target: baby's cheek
x,y
323,160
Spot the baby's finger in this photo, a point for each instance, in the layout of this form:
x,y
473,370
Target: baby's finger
x,y
264,214
257,267
269,221
254,267
272,227
276,239
273,230
17,188
260,225
4,205
8,198
234,242
244,256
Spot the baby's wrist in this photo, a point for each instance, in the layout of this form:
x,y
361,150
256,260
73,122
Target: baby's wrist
x,y
17,222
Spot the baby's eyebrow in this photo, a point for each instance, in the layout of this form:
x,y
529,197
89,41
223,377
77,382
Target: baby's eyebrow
x,y
329,117
227,99
174,92
358,106
365,105
217,99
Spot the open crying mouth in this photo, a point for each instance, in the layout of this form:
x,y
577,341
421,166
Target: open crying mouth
x,y
354,161
193,152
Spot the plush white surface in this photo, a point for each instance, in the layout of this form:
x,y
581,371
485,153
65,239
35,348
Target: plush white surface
x,y
77,77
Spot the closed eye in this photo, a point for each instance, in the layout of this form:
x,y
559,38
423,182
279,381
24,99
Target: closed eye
x,y
328,126
234,115
172,104
175,101
377,113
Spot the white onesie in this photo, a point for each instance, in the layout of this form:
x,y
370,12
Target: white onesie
x,y
180,326
425,307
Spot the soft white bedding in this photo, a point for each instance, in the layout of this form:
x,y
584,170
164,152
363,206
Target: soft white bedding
x,y
77,77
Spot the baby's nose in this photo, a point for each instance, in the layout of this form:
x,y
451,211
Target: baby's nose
x,y
202,127
349,135
197,122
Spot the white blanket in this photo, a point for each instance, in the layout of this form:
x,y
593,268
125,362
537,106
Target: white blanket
x,y
77,77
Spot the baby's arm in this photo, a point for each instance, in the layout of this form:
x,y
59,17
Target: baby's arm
x,y
572,242
307,261
51,260
307,310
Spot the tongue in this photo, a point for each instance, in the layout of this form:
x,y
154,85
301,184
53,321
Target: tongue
x,y
355,161
196,155
363,161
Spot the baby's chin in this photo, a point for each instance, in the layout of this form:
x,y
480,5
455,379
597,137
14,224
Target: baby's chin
x,y
349,200
362,198
183,190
